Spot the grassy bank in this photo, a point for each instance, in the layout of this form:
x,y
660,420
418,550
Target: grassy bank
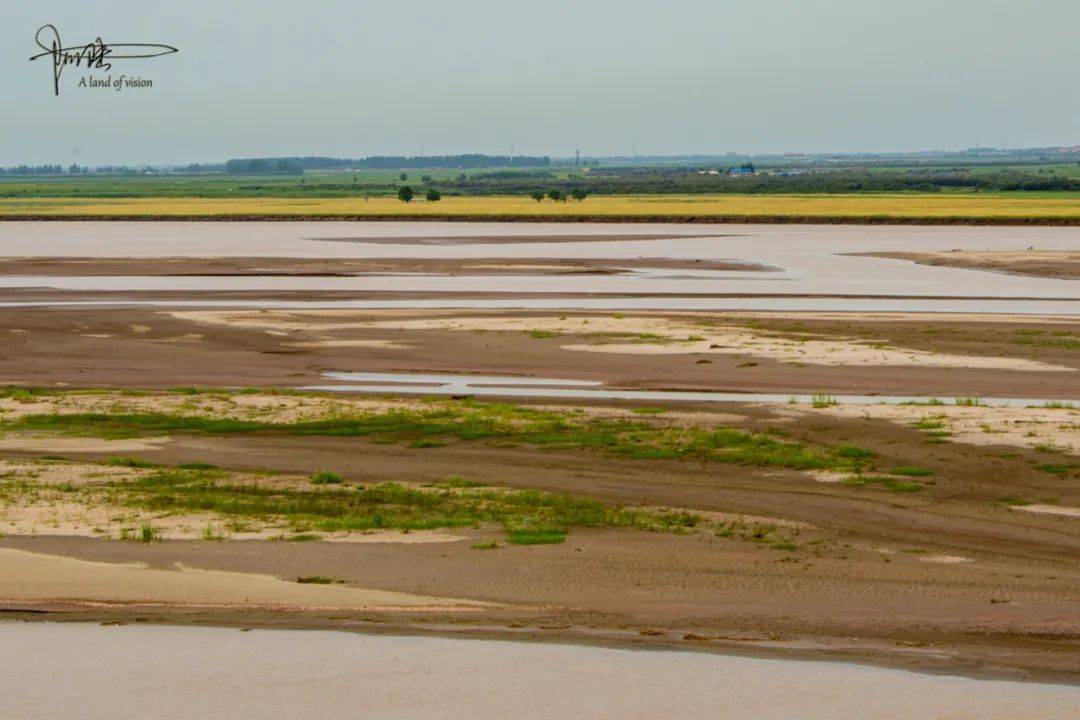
x,y
527,516
152,503
936,208
438,423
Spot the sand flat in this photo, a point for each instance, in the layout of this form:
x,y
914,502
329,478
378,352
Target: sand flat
x,y
34,578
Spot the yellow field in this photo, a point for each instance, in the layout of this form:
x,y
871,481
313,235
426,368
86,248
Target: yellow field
x,y
957,208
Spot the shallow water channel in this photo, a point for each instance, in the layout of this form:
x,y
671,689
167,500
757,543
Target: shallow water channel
x,y
508,386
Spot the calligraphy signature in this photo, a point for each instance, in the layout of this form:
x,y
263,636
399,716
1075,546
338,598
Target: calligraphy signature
x,y
94,54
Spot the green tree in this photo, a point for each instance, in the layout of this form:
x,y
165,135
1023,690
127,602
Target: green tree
x,y
425,178
579,194
404,177
555,195
405,193
433,195
537,195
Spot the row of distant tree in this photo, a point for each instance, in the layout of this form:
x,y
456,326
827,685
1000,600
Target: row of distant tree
x,y
296,165
292,165
76,169
406,194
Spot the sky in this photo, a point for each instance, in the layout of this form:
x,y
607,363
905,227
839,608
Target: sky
x,y
358,77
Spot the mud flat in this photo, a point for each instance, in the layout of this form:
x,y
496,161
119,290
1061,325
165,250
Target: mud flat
x,y
844,354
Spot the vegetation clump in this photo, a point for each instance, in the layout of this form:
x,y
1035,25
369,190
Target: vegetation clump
x,y
439,422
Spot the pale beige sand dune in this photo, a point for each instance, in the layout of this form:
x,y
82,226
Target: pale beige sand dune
x,y
30,577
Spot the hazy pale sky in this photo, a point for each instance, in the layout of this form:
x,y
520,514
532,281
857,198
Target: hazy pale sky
x,y
358,77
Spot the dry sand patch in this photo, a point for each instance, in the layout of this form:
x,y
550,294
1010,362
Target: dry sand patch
x,y
58,445
1056,429
1049,510
1064,264
378,344
664,336
30,577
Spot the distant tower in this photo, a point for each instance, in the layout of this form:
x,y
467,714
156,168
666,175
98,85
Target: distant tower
x,y
577,158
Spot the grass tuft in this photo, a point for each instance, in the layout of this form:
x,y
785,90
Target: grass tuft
x,y
911,471
326,478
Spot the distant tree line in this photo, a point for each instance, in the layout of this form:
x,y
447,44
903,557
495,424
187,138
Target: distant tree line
x,y
124,170
263,166
401,162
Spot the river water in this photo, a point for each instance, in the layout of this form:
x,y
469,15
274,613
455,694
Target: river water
x,y
810,261
86,672
508,386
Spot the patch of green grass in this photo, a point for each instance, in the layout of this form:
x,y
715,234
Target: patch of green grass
x,y
822,400
1058,405
911,471
1054,469
649,411
1059,340
541,334
21,394
969,401
889,483
148,533
131,462
326,477
317,580
427,443
486,545
437,422
523,513
853,452
536,536
767,535
928,423
304,537
457,482
1013,500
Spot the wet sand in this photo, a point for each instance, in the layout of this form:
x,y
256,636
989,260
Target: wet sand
x,y
1034,263
129,347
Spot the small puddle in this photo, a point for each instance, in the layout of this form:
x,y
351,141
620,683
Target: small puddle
x,y
509,386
